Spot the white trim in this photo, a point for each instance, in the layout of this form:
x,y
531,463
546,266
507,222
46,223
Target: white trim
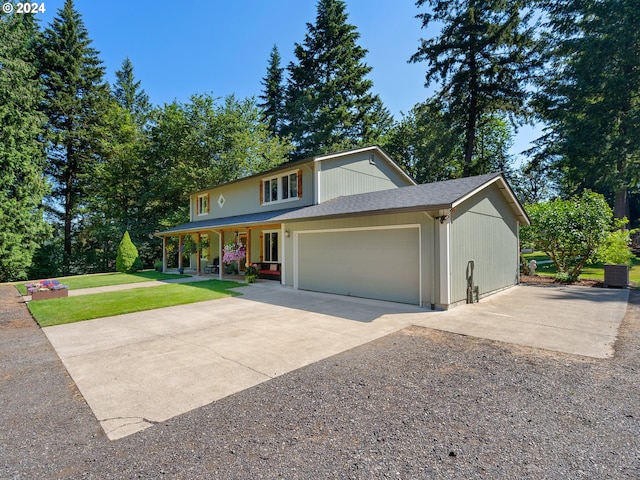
x,y
283,254
444,254
264,245
317,169
200,213
278,177
418,226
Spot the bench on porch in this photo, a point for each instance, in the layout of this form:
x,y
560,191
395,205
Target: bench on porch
x,y
212,267
269,271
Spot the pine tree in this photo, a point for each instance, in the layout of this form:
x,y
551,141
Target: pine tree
x,y
482,58
273,94
589,97
75,96
329,105
128,93
22,183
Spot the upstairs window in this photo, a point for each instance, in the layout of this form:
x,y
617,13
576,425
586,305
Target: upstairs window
x,y
203,204
279,189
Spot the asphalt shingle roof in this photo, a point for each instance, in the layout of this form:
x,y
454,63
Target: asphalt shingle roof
x,y
428,196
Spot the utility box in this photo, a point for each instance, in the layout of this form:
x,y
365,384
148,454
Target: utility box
x,y
616,276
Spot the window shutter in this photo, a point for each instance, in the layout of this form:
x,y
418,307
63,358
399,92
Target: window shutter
x,y
261,192
299,183
208,202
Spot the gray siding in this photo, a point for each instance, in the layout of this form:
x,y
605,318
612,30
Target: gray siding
x,y
483,229
356,174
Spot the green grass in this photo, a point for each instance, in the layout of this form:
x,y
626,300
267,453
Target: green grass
x,y
58,311
106,279
594,271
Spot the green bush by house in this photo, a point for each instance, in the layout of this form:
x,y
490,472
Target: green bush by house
x,y
127,260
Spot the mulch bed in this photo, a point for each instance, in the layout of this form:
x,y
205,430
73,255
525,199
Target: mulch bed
x,y
548,280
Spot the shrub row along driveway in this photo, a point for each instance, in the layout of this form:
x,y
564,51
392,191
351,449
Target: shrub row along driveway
x,y
415,404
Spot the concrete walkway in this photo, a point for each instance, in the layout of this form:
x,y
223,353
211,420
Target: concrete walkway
x,y
131,286
139,369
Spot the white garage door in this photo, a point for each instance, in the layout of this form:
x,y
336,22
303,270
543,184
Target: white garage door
x,y
378,263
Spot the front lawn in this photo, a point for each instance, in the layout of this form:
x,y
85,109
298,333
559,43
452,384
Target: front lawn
x,y
59,311
107,279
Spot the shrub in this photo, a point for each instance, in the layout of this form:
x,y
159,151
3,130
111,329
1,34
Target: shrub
x,y
616,249
127,259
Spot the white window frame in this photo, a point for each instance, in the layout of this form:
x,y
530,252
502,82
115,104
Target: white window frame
x,y
267,246
200,202
291,194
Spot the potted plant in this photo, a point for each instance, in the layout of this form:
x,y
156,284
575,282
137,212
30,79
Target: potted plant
x,y
616,256
157,265
233,253
251,273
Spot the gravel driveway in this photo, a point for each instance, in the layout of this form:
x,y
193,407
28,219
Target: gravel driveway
x,y
416,404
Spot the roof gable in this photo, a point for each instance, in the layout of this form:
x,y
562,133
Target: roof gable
x,y
317,159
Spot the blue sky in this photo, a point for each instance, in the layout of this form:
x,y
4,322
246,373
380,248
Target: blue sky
x,y
222,47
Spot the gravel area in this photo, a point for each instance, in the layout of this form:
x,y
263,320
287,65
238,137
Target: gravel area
x,y
418,404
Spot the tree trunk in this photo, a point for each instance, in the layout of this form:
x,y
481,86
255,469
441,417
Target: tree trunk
x,y
621,208
472,117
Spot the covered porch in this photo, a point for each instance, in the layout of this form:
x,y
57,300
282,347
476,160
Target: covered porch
x,y
199,247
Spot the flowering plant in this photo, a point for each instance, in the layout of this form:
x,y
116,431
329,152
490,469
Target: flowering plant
x,y
233,251
252,270
45,286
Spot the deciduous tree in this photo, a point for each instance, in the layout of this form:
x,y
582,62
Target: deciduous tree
x,y
569,231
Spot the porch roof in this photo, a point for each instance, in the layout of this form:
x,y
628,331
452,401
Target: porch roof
x,y
225,222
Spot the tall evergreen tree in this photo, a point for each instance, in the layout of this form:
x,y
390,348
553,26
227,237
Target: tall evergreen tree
x,y
22,182
273,94
130,95
329,104
483,58
590,97
75,96
425,145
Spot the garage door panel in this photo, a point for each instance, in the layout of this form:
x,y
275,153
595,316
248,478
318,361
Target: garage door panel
x,y
380,263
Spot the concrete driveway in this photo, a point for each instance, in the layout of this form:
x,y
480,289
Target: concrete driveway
x,y
139,369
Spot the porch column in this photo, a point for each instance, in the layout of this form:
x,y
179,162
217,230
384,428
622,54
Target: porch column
x,y
220,242
164,254
180,248
247,258
198,253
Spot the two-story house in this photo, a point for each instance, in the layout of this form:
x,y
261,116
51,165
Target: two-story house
x,y
353,223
